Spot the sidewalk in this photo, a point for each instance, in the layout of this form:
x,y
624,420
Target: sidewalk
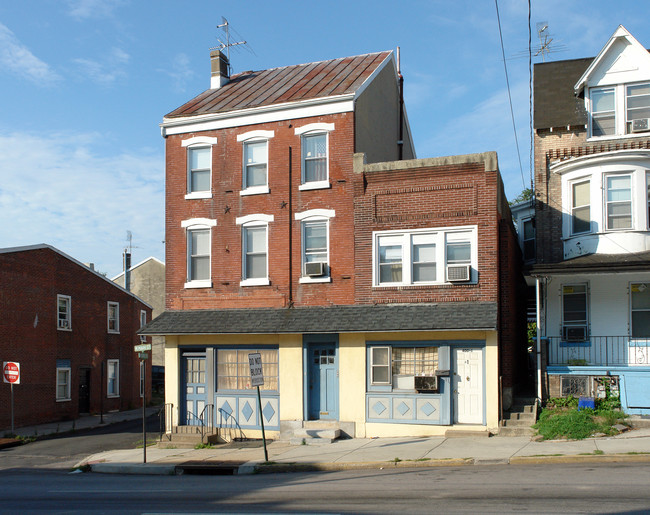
x,y
376,453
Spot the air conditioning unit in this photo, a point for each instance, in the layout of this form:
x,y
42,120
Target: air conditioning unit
x,y
316,269
426,383
64,324
641,125
575,333
458,273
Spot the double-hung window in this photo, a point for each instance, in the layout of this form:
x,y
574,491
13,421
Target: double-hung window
x,y
314,225
637,112
63,383
143,322
398,365
603,112
618,201
574,312
314,155
255,170
640,310
423,256
199,166
113,378
113,311
255,243
199,243
580,207
64,315
619,110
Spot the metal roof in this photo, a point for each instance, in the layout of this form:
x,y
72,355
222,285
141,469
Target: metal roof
x,y
334,319
287,84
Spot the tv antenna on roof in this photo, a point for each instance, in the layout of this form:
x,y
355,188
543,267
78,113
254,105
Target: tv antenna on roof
x,y
228,43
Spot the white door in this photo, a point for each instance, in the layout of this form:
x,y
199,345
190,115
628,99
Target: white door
x,y
468,386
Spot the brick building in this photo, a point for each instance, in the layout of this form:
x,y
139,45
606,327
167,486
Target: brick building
x,y
592,156
299,225
72,331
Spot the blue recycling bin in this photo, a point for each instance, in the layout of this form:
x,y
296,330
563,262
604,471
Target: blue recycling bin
x,y
586,402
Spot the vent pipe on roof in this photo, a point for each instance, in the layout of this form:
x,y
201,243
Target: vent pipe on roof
x,y
219,65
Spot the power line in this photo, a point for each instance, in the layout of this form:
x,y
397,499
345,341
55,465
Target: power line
x,y
512,113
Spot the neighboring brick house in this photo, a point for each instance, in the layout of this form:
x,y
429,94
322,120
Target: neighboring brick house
x,y
276,236
147,280
73,331
592,177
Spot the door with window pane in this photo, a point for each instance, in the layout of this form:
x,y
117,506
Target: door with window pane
x,y
323,381
195,388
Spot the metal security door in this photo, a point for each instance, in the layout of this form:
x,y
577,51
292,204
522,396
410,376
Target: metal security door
x,y
323,382
195,388
468,386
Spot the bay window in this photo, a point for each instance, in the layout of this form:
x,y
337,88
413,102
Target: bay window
x,y
618,201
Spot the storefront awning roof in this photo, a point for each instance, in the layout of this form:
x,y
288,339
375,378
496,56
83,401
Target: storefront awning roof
x,y
334,319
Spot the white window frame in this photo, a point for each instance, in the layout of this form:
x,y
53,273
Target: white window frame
x,y
305,218
605,89
197,224
621,121
314,129
258,136
191,144
440,237
637,285
574,323
573,207
607,202
387,366
628,131
67,384
254,222
116,305
143,322
113,365
67,321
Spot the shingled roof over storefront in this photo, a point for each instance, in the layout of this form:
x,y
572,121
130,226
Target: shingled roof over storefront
x,y
334,319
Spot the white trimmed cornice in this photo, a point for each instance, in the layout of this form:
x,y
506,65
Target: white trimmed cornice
x,y
262,219
315,213
606,158
199,140
320,127
198,222
255,134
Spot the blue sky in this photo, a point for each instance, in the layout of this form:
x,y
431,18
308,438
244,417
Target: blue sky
x,y
85,83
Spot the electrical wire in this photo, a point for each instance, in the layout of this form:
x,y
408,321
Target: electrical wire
x,y
512,113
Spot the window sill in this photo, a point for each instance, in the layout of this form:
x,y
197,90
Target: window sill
x,y
308,280
66,329
198,195
255,190
113,396
415,286
619,136
255,282
198,284
63,400
317,185
113,332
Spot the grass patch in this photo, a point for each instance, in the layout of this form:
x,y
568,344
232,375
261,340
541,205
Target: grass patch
x,y
204,446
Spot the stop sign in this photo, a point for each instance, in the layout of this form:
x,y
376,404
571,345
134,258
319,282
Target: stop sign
x,y
11,372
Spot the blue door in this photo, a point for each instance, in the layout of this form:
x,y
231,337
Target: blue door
x,y
323,381
195,388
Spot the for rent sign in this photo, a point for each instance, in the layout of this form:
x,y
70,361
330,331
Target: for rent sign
x,y
11,372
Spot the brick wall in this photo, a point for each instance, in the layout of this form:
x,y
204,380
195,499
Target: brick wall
x,y
29,284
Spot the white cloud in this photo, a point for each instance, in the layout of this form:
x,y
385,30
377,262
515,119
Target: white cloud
x,y
180,71
85,9
107,71
16,57
61,192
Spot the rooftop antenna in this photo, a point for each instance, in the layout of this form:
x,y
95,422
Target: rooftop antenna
x,y
228,43
545,40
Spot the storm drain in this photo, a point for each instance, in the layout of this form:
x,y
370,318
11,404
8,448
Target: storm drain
x,y
208,469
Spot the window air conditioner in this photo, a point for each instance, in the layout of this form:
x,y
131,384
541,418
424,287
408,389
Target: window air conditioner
x,y
640,125
458,273
316,269
63,324
426,383
576,333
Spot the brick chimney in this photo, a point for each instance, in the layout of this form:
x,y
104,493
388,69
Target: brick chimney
x,y
219,64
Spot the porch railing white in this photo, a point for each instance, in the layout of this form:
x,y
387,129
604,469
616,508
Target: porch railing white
x,y
599,351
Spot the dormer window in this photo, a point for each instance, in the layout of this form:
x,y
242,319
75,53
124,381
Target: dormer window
x,y
638,108
620,110
603,112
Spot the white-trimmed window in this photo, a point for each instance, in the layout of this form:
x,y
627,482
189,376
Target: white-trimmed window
x,y
199,243
314,228
618,201
575,312
603,112
113,378
64,312
380,365
199,166
255,173
640,310
398,365
143,322
637,108
113,315
233,369
619,110
580,207
424,256
314,155
62,383
255,244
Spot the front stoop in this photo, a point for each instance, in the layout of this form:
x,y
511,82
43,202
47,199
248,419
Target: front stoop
x,y
517,421
188,437
311,432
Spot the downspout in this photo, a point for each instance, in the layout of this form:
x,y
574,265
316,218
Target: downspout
x,y
290,233
400,141
539,339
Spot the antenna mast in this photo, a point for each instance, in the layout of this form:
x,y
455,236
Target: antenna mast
x,y
226,46
545,40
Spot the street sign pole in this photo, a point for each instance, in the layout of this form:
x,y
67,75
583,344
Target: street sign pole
x,y
12,408
257,379
259,399
144,412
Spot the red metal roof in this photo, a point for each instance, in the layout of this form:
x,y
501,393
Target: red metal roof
x,y
287,84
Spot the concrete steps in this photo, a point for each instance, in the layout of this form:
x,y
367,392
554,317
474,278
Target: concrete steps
x,y
188,437
517,421
312,432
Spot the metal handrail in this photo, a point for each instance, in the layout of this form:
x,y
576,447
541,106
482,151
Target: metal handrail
x,y
206,414
233,424
599,351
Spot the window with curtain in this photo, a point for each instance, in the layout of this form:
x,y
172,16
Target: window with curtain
x,y
580,207
314,157
233,369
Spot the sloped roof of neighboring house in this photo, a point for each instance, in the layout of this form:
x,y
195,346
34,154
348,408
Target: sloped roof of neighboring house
x,y
595,263
287,84
44,246
556,104
138,265
334,319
